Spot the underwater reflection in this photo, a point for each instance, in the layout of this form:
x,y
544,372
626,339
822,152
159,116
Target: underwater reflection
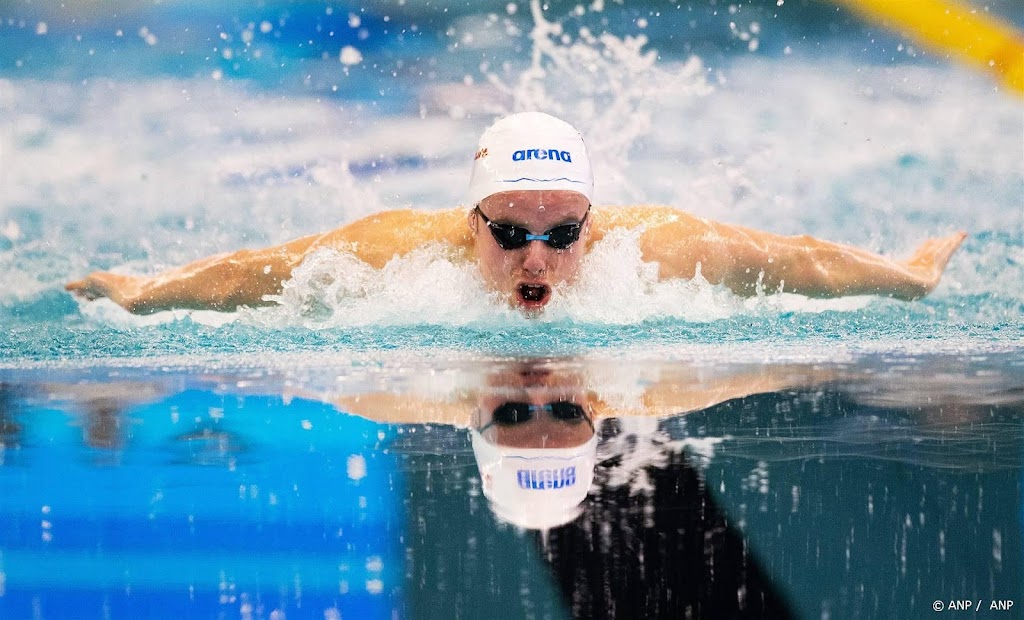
x,y
10,429
681,490
101,407
534,425
535,445
622,532
549,488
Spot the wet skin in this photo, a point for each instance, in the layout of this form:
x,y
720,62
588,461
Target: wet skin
x,y
527,275
742,259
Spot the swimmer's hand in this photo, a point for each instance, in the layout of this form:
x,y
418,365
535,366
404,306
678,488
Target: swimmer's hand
x,y
929,262
124,291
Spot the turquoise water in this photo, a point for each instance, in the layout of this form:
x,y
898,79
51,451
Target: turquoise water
x,y
770,457
145,138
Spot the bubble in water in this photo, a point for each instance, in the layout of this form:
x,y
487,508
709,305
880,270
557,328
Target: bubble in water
x,y
350,56
146,35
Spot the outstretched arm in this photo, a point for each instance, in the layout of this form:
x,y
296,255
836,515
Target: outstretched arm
x,y
222,282
227,281
740,257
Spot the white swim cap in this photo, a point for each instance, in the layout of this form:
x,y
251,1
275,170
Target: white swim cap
x,y
530,150
535,488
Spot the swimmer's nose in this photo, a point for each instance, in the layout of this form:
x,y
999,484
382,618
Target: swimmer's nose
x,y
535,262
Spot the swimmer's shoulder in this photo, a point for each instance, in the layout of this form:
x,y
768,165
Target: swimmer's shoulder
x,y
409,219
608,218
378,237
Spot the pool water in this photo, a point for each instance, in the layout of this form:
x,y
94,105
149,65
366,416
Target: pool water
x,y
795,488
146,138
767,457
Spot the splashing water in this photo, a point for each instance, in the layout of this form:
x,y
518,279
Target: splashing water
x,y
333,290
142,173
605,85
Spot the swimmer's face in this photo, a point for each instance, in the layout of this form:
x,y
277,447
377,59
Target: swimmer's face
x,y
541,427
527,274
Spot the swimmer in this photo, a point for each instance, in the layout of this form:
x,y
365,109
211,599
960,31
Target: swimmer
x,y
529,224
534,424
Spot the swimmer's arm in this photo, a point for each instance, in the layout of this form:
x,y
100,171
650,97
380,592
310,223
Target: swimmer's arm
x,y
228,281
682,392
740,257
223,282
390,408
395,407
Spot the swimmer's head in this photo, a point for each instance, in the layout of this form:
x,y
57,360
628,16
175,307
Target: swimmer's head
x,y
535,445
541,424
530,151
530,194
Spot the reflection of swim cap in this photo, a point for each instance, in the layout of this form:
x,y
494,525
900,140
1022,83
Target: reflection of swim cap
x,y
530,150
535,488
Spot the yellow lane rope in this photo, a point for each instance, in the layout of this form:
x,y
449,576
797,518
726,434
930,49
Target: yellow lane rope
x,y
957,30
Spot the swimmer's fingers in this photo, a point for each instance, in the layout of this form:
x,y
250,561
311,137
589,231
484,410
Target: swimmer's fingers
x,y
935,253
931,258
119,288
87,288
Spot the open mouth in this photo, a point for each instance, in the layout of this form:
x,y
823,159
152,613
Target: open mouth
x,y
533,295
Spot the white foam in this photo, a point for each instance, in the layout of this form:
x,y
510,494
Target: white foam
x,y
107,312
334,289
606,86
642,445
616,286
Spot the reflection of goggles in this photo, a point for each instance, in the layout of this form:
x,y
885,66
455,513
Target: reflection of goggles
x,y
511,237
512,413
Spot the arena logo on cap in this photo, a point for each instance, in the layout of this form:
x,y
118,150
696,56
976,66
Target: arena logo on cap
x,y
546,478
555,154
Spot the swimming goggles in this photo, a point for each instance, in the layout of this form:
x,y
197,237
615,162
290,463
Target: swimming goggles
x,y
511,237
512,413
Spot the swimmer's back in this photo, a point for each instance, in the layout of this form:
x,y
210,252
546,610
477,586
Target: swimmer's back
x,y
605,219
377,238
